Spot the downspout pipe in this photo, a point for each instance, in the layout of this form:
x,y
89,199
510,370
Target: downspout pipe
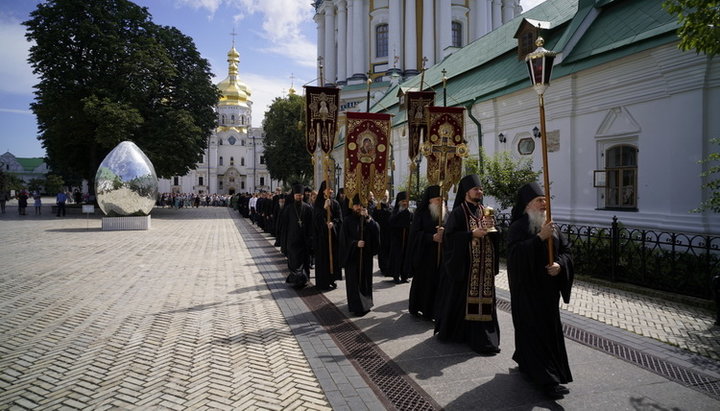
x,y
479,127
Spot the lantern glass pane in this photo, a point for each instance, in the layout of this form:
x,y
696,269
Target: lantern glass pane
x,y
537,68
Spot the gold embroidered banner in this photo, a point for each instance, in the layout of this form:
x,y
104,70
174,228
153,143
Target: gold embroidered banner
x,y
445,146
321,111
366,154
417,118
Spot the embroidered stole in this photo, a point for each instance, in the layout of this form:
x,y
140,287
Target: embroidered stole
x,y
480,298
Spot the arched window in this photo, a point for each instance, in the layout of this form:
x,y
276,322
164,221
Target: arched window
x,y
232,119
232,161
220,161
381,40
242,161
223,119
621,176
456,34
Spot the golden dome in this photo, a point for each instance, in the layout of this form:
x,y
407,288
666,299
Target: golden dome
x,y
234,92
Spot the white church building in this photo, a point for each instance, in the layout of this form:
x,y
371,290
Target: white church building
x,y
628,114
234,161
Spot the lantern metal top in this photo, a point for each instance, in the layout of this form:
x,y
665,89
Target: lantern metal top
x,y
540,51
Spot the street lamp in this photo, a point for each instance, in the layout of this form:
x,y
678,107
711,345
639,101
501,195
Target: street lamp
x,y
338,170
539,64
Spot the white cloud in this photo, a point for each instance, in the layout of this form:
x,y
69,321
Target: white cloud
x,y
15,111
15,71
281,24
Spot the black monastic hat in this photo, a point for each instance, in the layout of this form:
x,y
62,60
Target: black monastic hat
x,y
297,188
525,195
429,193
466,184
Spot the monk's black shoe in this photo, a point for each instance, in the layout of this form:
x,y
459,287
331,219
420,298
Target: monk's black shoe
x,y
361,313
555,391
333,286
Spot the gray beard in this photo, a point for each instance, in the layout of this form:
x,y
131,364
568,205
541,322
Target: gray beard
x,y
536,219
436,210
403,208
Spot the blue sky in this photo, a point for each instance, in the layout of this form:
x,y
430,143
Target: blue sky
x,y
276,39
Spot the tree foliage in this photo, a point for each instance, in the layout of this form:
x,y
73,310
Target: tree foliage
x,y
53,184
699,24
285,153
109,74
712,163
501,176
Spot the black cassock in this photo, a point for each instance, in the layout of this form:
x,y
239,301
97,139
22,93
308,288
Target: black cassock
x,y
466,310
359,271
297,230
399,239
323,277
382,216
426,267
539,342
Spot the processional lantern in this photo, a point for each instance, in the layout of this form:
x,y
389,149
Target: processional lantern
x,y
540,64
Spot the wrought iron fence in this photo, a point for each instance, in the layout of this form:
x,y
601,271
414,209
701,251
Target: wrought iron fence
x,y
669,261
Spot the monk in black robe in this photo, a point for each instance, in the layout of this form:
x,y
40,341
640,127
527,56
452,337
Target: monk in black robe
x,y
277,213
298,238
425,254
535,290
381,215
400,221
359,241
327,222
466,309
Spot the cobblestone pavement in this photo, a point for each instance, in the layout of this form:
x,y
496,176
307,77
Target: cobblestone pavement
x,y
175,317
683,326
194,314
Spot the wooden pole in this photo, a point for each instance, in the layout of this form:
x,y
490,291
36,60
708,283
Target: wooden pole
x,y
327,197
546,177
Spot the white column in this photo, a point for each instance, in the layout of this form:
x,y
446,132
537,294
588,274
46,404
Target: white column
x,y
359,55
394,33
410,38
428,32
320,21
508,10
497,14
330,60
350,38
479,19
341,41
445,27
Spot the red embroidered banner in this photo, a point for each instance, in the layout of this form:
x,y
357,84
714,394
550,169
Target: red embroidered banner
x,y
417,101
445,146
366,154
321,111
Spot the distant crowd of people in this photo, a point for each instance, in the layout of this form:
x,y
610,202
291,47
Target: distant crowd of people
x,y
62,198
188,200
450,257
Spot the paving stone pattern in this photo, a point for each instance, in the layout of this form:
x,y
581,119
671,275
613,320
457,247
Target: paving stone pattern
x,y
175,317
673,323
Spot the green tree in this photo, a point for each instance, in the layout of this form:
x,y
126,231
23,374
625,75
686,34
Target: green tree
x,y
501,176
36,184
699,24
285,153
712,162
108,74
53,184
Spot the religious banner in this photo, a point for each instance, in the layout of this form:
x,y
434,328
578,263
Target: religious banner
x,y
321,110
445,146
417,118
366,154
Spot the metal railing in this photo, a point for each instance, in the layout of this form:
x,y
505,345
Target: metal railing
x,y
681,263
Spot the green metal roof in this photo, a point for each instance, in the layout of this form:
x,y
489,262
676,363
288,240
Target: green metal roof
x,y
489,68
30,163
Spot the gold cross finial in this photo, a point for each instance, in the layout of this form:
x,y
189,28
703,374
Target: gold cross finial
x,y
233,34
